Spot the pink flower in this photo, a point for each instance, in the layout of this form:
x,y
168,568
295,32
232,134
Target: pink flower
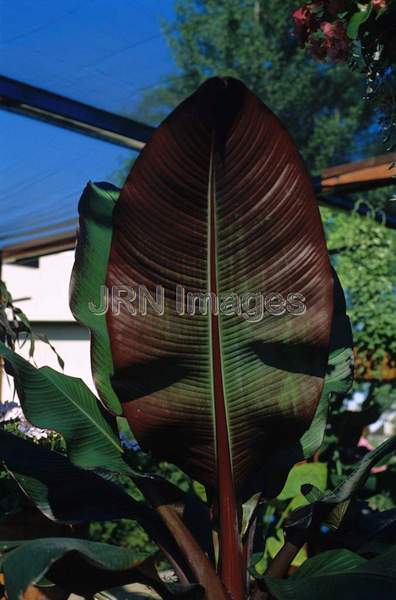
x,y
378,4
327,29
302,21
306,21
336,41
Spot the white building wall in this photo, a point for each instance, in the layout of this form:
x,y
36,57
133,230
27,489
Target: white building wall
x,y
47,308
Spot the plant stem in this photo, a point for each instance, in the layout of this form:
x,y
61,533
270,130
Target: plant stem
x,y
197,559
280,564
284,515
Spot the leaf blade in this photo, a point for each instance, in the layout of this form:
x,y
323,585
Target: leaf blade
x,y
160,237
53,400
338,572
89,274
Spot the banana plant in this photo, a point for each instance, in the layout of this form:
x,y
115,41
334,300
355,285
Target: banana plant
x,y
218,331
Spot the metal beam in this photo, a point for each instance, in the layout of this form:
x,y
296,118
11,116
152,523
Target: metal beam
x,y
64,112
66,240
378,171
40,247
336,183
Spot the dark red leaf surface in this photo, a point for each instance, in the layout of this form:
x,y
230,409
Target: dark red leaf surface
x,y
219,200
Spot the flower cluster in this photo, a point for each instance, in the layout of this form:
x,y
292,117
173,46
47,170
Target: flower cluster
x,y
329,27
362,34
11,412
318,26
378,4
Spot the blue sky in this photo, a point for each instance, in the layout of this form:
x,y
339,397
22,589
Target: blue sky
x,y
102,52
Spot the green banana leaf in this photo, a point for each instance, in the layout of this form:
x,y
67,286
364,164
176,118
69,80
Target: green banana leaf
x,y
62,491
67,494
339,573
331,506
339,371
79,566
89,274
52,400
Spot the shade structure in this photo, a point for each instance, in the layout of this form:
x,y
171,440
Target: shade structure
x,y
39,214
73,75
96,53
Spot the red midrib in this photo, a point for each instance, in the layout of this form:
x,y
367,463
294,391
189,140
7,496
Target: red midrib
x,y
230,551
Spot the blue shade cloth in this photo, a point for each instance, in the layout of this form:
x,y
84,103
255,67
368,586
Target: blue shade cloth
x,y
104,53
100,52
43,171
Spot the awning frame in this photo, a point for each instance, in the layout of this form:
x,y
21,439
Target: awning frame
x,y
332,187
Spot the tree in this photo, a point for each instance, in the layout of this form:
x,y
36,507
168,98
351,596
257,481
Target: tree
x,y
361,34
319,104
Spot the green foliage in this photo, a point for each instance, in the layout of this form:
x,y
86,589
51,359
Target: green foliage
x,y
365,257
29,562
89,274
339,572
272,515
320,105
363,252
15,326
363,34
357,19
126,532
273,546
310,473
322,109
330,507
55,401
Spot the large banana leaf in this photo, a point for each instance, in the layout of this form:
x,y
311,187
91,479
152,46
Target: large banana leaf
x,y
80,566
219,201
67,494
63,492
339,573
53,400
331,506
89,274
